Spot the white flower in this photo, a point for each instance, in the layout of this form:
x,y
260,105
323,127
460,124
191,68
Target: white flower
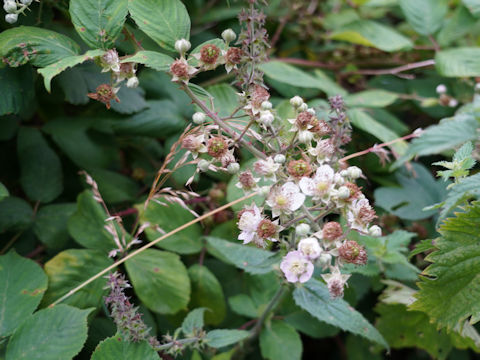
x,y
323,150
285,199
194,144
248,224
110,61
360,214
310,248
335,282
267,168
320,186
296,267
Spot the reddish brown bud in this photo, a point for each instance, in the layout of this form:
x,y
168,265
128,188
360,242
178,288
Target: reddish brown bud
x,y
367,214
190,143
104,93
266,229
355,191
299,168
351,252
217,147
259,95
304,119
247,180
332,230
209,54
320,127
234,55
179,68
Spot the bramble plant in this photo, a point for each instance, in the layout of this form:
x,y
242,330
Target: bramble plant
x,y
173,194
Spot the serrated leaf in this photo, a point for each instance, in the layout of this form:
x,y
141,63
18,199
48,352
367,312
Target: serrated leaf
x,y
371,33
466,188
22,285
18,91
207,292
458,62
371,98
98,22
160,280
165,22
70,268
451,283
193,320
315,298
34,45
51,225
116,348
50,334
52,70
279,340
425,16
223,337
40,168
152,59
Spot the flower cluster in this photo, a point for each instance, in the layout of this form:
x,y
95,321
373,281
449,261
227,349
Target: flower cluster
x,y
13,8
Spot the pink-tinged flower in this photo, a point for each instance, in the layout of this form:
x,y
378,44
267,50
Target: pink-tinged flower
x,y
266,230
323,151
310,248
336,282
360,214
320,186
246,181
181,70
194,144
285,199
296,267
248,224
267,168
258,95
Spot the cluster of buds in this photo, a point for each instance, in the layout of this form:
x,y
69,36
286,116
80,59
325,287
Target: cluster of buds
x,y
209,57
110,62
444,98
307,184
13,8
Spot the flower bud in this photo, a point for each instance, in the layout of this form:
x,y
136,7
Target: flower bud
x,y
331,231
265,190
375,231
302,229
10,6
303,107
132,82
343,192
325,259
26,2
233,168
266,118
266,105
453,103
344,173
198,118
305,137
182,46
354,172
296,101
203,165
11,18
311,111
441,89
229,35
351,252
279,158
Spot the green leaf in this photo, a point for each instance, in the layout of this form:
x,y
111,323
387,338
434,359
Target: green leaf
x,y
452,282
193,321
22,285
50,334
69,269
371,98
15,214
225,99
113,186
457,26
425,16
152,59
131,100
18,91
51,225
243,257
207,292
223,337
473,6
414,193
315,298
458,62
165,22
279,340
403,329
116,348
52,70
168,218
3,192
40,168
86,225
465,189
98,22
361,119
160,280
40,47
243,304
370,33
307,324
289,74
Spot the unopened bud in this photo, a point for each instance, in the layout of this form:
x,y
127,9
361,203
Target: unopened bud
x,y
182,46
233,168
11,18
296,101
303,107
26,2
203,165
305,136
10,6
266,118
343,192
441,89
354,172
279,158
311,111
344,173
198,118
375,231
266,105
265,190
132,82
302,229
325,259
229,35
453,103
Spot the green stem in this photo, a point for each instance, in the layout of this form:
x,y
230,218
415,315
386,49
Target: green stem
x,y
176,342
